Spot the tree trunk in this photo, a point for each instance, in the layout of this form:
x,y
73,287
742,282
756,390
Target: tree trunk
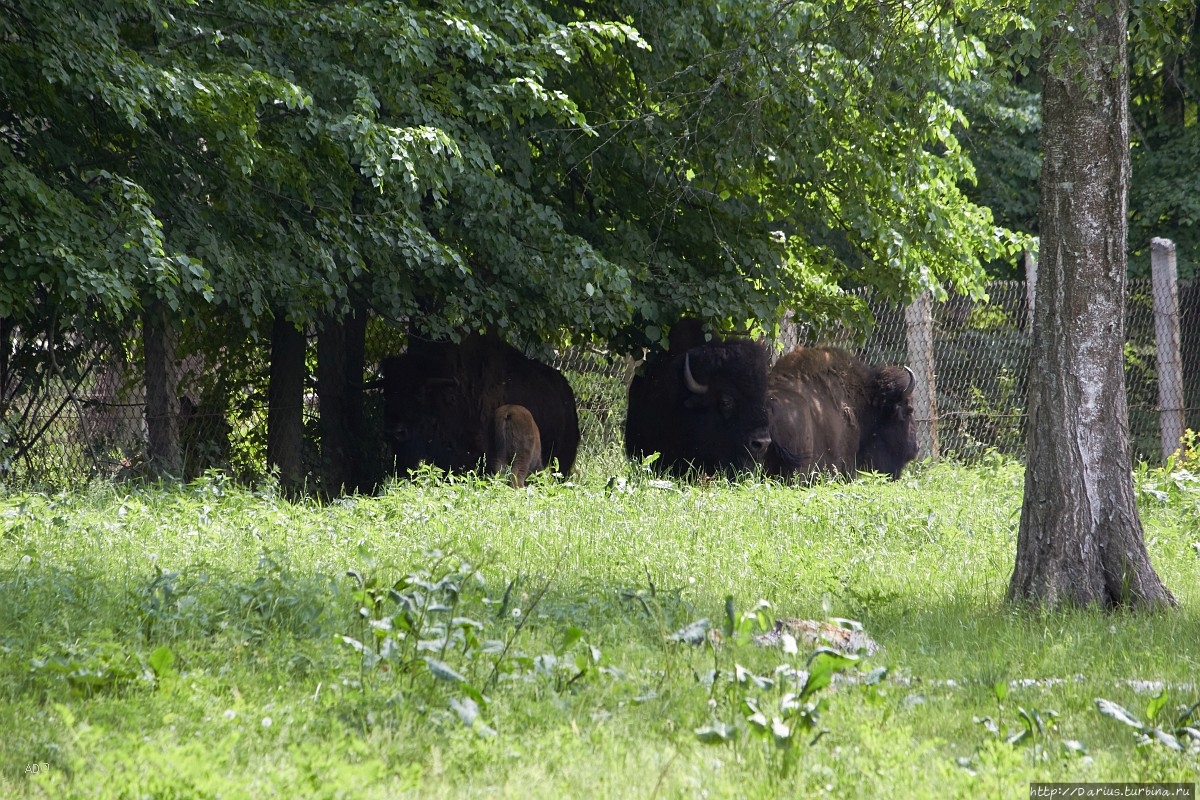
x,y
341,353
1080,541
164,456
285,404
1174,82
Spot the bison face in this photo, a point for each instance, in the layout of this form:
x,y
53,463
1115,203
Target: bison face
x,y
889,439
727,415
704,410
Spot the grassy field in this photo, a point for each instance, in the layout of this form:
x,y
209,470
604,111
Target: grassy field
x,y
462,639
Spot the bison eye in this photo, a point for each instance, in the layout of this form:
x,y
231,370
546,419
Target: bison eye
x,y
726,405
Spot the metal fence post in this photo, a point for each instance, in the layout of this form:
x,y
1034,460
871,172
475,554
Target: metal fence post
x,y
918,325
1166,334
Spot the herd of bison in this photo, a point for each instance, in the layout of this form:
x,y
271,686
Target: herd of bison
x,y
706,406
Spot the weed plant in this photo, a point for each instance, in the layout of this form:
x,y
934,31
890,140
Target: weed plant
x,y
452,637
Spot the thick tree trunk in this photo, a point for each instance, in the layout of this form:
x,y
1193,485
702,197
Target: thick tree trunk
x,y
164,456
341,354
285,404
1080,540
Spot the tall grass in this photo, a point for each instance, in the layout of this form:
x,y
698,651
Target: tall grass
x,y
456,638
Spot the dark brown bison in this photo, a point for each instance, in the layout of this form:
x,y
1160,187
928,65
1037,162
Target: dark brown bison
x,y
832,413
440,401
517,443
701,405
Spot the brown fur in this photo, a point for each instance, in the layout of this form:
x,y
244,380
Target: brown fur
x,y
440,402
518,445
832,413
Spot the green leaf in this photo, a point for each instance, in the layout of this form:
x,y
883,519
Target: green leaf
x,y
1164,738
1156,705
1020,737
716,733
1114,711
443,671
161,660
467,710
822,665
1187,715
1073,747
570,636
743,675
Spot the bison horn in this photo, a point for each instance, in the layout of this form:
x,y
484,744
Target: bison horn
x,y
912,380
693,385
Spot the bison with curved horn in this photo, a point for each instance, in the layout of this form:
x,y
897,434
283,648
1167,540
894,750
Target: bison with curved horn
x,y
441,401
701,405
832,413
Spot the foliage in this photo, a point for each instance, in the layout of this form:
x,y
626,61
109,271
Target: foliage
x,y
777,708
525,165
1001,106
1179,733
1164,127
778,123
1188,455
1032,726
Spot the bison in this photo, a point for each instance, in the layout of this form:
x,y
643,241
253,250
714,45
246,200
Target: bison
x,y
701,405
517,443
832,413
441,398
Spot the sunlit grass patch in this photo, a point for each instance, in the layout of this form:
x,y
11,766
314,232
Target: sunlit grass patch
x,y
454,637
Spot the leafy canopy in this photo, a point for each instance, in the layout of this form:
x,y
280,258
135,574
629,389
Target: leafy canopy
x,y
535,167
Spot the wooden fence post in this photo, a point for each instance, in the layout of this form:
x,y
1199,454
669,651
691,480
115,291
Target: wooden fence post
x,y
1166,334
789,338
918,325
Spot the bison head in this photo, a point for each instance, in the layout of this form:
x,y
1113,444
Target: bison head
x,y
702,409
889,440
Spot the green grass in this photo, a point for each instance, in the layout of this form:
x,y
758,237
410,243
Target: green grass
x,y
200,641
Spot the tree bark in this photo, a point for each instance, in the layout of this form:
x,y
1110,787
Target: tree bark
x,y
164,455
341,355
285,404
1080,541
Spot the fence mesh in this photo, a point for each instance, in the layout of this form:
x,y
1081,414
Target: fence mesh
x,y
63,429
978,365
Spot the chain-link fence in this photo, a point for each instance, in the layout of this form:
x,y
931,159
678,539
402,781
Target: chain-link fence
x,y
976,357
979,353
63,429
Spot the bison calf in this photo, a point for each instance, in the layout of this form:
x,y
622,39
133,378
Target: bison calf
x,y
440,402
517,445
